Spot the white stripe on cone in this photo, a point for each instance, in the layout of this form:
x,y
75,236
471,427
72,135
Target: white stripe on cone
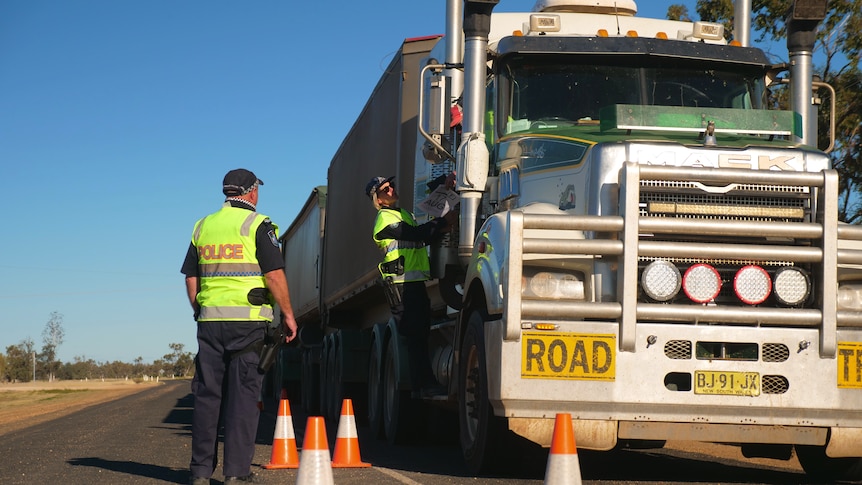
x,y
284,428
348,430
314,468
563,470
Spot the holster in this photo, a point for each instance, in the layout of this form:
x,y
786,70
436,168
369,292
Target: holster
x,y
393,291
258,296
272,342
393,267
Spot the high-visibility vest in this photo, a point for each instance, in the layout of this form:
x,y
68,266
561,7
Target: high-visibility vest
x,y
416,265
228,266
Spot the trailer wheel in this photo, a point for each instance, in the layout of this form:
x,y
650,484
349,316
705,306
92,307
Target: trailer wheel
x,y
481,433
819,466
375,388
396,402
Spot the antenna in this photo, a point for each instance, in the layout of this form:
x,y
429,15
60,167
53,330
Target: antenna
x,y
617,15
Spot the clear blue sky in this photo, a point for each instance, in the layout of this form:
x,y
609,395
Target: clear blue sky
x,y
118,120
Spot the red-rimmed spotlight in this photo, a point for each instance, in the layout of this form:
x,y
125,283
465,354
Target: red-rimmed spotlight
x,y
701,283
752,284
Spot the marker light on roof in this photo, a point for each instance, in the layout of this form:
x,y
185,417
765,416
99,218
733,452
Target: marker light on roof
x,y
701,283
661,280
707,31
752,284
543,22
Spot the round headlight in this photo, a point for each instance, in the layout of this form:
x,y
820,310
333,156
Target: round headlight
x,y
850,297
543,285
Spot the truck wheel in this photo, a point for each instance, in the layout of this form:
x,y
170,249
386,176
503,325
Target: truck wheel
x,y
819,466
481,433
375,388
396,402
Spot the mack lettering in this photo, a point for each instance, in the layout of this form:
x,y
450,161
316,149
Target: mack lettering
x,y
721,160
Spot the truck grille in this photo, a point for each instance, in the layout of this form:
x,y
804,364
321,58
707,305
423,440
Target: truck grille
x,y
751,202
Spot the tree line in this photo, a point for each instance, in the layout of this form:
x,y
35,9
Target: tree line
x,y
23,363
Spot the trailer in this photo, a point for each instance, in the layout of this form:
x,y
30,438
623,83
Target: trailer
x,y
642,243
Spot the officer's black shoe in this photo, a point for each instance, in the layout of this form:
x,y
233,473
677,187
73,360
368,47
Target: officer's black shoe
x,y
250,478
199,481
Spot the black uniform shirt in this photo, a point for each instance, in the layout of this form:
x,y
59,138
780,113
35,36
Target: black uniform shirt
x,y
268,253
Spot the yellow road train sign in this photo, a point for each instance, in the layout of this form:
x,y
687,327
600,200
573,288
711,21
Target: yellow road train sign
x,y
568,356
850,365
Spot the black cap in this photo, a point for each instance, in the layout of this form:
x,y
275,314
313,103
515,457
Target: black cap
x,y
239,182
375,184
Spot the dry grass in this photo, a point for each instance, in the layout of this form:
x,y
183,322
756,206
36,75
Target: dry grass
x,y
23,405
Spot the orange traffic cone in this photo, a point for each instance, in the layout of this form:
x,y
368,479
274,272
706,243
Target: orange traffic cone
x,y
284,454
346,440
563,467
315,467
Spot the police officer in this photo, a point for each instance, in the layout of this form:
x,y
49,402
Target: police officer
x,y
234,272
404,269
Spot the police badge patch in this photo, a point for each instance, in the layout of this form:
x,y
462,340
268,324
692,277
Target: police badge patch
x,y
272,237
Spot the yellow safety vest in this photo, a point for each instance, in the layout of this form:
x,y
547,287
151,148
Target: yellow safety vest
x,y
228,266
415,263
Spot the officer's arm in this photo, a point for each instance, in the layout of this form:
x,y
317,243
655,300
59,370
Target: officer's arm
x,y
276,282
405,232
193,287
193,283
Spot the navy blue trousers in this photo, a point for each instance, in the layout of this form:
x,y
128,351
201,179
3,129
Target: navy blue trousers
x,y
413,320
225,389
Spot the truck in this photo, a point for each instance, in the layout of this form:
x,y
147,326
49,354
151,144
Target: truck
x,y
644,242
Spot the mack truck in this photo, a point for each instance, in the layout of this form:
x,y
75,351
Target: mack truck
x,y
645,242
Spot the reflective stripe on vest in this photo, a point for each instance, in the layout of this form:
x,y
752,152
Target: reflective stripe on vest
x,y
416,265
227,265
236,313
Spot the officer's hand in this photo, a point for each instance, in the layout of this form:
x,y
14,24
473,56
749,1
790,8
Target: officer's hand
x,y
451,218
289,327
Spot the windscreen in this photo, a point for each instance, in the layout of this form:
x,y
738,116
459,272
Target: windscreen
x,y
538,89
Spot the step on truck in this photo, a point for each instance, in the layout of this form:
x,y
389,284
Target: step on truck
x,y
643,242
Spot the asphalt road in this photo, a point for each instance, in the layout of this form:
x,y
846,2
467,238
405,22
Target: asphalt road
x,y
145,438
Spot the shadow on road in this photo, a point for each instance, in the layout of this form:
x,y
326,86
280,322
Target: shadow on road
x,y
134,468
181,413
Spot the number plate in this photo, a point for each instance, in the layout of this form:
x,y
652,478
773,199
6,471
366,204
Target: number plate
x,y
727,383
849,365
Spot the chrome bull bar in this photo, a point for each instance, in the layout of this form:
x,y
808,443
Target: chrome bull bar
x,y
618,237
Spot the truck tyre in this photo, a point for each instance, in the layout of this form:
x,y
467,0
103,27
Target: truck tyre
x,y
375,386
821,467
396,402
481,433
